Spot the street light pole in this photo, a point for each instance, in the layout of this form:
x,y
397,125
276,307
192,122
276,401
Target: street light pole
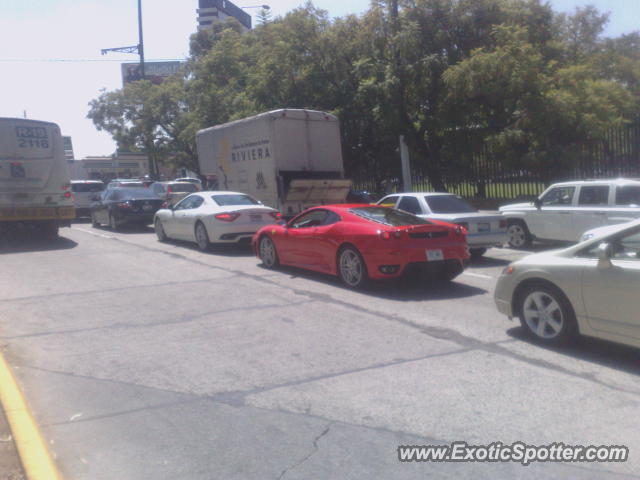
x,y
139,49
140,40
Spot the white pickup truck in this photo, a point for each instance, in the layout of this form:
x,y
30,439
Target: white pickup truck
x,y
564,211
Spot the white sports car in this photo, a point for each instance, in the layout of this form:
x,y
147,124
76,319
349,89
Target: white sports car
x,y
590,288
214,217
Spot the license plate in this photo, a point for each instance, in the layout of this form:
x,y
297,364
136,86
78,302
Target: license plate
x,y
147,207
434,255
255,217
484,227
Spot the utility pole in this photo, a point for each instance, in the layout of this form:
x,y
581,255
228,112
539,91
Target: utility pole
x,y
140,41
139,49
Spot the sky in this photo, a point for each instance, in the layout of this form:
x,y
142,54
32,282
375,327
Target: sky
x,y
51,66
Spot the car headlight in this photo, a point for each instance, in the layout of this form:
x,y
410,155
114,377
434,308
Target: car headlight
x,y
586,236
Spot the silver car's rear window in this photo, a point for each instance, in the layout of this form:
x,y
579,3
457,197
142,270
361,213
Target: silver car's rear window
x,y
87,187
449,204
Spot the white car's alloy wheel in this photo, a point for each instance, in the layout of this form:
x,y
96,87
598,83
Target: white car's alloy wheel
x,y
202,238
518,236
162,236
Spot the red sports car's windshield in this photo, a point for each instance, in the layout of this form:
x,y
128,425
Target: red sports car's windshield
x,y
389,216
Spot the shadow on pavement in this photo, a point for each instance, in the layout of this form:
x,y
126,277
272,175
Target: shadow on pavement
x,y
125,229
18,242
601,352
488,262
407,288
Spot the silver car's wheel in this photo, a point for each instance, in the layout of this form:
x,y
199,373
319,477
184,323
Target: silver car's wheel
x,y
519,236
162,237
351,268
267,252
202,238
547,314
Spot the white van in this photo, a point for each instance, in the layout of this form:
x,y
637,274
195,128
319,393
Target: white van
x,y
35,190
84,193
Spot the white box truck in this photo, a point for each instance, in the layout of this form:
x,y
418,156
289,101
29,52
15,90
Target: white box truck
x,y
289,159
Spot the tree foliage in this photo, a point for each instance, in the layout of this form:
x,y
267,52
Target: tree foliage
x,y
452,76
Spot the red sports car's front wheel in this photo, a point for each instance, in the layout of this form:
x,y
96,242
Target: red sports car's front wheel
x,y
351,267
267,252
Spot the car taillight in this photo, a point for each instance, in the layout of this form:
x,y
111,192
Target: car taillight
x,y
276,215
227,217
386,235
164,205
67,194
464,225
169,189
123,205
503,223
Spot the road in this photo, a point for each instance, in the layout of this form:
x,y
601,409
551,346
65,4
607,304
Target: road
x,y
147,360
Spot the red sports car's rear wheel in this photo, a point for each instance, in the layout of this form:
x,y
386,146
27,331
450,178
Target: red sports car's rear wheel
x,y
351,267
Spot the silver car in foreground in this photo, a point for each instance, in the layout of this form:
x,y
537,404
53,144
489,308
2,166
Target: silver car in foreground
x,y
591,288
484,229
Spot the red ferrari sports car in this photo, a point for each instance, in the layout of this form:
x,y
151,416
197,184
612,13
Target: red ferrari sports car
x,y
361,242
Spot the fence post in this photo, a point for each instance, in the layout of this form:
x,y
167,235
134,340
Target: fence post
x,y
406,167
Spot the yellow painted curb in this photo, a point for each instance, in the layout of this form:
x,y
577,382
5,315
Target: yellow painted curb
x,y
35,457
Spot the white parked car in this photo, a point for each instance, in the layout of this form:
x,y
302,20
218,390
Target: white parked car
x,y
564,211
84,194
484,230
590,288
214,217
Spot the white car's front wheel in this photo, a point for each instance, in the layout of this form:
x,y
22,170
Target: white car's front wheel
x,y
546,314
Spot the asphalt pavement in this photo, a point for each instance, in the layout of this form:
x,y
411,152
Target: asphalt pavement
x,y
142,359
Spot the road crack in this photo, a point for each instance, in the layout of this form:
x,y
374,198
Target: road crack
x,y
313,451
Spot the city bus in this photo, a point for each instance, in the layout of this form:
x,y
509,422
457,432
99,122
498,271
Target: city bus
x,y
35,189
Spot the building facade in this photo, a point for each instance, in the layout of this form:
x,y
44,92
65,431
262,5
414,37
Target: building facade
x,y
211,11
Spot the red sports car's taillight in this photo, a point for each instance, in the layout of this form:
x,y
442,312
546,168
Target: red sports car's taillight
x,y
227,217
386,235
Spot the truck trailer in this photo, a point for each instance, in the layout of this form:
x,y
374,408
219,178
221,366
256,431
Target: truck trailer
x,y
289,159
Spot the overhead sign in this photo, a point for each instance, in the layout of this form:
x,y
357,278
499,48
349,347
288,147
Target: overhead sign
x,y
155,72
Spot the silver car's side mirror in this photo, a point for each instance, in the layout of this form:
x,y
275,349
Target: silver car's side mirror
x,y
604,255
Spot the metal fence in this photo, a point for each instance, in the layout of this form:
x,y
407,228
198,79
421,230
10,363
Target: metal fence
x,y
478,174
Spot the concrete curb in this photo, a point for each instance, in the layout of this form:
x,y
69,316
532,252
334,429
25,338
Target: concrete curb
x,y
36,459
